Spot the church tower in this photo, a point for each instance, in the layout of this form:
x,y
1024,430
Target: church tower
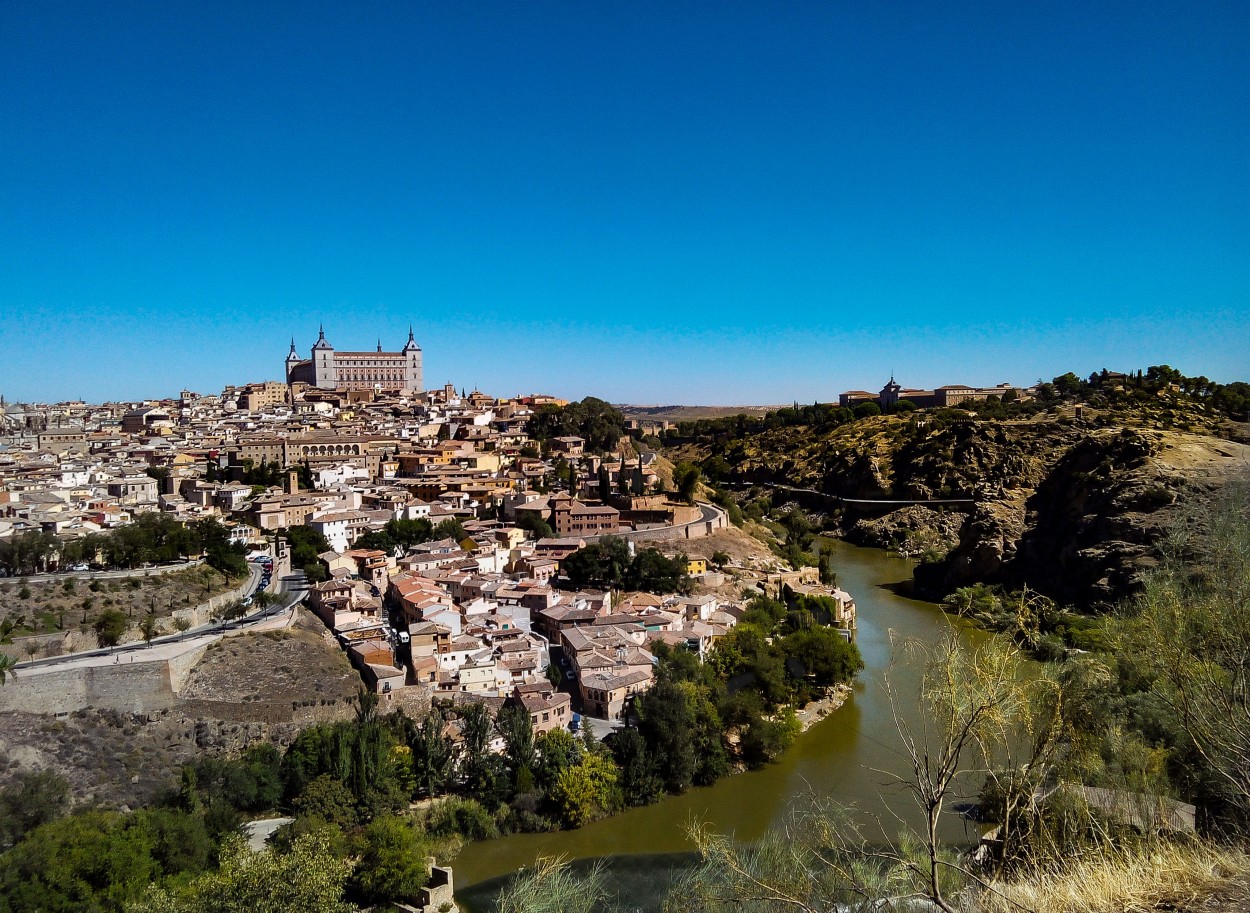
x,y
413,378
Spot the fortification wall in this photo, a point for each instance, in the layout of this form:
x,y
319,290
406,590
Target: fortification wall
x,y
129,687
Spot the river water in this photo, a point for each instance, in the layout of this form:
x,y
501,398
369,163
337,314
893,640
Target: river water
x,y
848,757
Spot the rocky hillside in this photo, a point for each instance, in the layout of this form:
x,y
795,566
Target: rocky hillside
x,y
1073,508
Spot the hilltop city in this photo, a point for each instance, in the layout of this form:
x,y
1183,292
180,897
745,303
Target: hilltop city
x,y
427,529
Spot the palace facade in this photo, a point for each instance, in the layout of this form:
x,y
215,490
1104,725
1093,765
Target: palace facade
x,y
379,371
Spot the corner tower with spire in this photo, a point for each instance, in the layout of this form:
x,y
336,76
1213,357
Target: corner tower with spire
x,y
412,363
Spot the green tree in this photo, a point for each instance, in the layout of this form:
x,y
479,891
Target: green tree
x,y
640,785
686,478
308,879
110,627
391,864
513,723
31,799
93,861
823,655
586,790
535,525
557,751
667,727
433,756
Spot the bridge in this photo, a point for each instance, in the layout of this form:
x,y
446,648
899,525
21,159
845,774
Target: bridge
x,y
872,502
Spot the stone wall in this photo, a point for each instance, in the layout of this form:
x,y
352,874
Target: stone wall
x,y
132,687
695,529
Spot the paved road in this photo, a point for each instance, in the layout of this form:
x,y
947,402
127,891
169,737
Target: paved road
x,y
294,588
108,575
258,832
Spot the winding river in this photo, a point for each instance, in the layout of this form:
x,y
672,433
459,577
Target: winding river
x,y
848,757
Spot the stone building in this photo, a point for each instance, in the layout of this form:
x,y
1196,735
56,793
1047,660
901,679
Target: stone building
x,y
379,371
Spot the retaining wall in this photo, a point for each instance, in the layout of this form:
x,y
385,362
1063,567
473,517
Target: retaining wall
x,y
695,529
128,687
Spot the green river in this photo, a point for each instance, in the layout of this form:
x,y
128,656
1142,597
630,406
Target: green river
x,y
848,757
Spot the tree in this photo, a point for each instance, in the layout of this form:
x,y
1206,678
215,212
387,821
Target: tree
x,y
823,654
586,790
513,723
720,559
557,751
391,865
433,756
867,410
978,707
32,799
596,421
95,860
686,477
7,668
308,879
1199,602
148,627
652,571
603,563
639,783
110,627
535,525
667,726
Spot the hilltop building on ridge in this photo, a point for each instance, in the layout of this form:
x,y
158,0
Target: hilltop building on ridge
x,y
378,371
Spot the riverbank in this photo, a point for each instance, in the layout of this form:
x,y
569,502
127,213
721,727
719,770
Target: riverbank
x,y
845,757
815,711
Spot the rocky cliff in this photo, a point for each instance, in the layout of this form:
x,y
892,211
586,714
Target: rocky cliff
x,y
1072,509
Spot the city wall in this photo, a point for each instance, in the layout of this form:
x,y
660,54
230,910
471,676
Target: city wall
x,y
130,687
695,529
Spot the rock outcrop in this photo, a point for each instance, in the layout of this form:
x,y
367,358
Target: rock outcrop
x,y
1073,510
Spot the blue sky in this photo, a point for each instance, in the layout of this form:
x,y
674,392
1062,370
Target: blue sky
x,y
650,202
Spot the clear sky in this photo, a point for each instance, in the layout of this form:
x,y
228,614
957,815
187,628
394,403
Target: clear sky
x,y
669,202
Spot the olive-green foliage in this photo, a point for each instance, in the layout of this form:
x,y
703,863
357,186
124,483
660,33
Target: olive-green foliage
x,y
433,756
358,754
250,783
1183,656
586,790
686,477
308,879
607,563
31,799
466,818
110,627
390,862
593,419
403,534
99,860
